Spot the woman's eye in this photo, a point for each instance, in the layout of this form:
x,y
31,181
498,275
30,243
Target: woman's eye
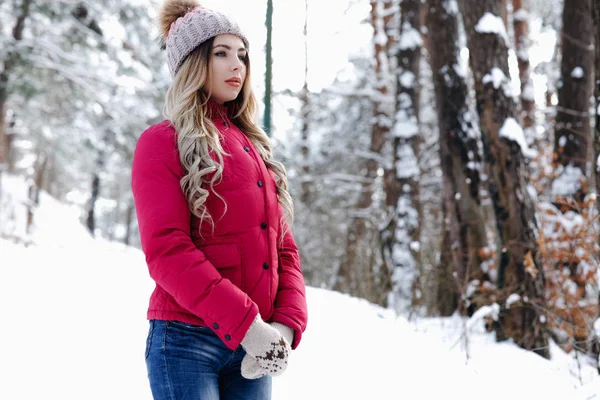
x,y
220,54
243,57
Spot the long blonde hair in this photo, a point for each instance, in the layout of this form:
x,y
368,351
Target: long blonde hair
x,y
197,136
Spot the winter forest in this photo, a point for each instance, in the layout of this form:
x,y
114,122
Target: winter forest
x,y
443,155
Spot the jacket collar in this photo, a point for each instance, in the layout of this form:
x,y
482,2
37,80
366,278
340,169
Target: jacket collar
x,y
218,111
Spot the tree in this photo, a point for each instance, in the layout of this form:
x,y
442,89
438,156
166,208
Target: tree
x,y
596,163
305,195
72,85
356,272
464,232
572,132
401,236
520,274
521,27
7,66
269,68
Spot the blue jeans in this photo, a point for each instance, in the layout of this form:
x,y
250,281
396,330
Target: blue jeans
x,y
190,362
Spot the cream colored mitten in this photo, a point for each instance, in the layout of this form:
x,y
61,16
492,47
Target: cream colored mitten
x,y
267,351
286,331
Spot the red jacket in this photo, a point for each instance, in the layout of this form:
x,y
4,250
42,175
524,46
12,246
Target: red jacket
x,y
225,279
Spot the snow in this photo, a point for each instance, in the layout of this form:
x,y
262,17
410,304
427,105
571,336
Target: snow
x,y
380,36
451,7
407,165
461,68
513,298
490,23
76,329
410,38
513,131
405,128
528,93
496,76
577,73
568,182
521,15
407,79
562,141
482,313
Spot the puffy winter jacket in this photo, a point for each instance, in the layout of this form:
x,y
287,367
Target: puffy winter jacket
x,y
223,279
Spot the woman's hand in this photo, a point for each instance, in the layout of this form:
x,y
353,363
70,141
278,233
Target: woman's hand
x,y
267,351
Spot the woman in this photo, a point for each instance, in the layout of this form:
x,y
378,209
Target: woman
x,y
214,217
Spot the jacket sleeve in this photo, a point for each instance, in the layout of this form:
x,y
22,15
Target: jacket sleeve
x,y
174,262
290,303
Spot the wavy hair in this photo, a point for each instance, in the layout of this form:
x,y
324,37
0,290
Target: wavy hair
x,y
197,136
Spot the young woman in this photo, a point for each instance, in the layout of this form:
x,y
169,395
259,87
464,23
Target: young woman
x,y
214,217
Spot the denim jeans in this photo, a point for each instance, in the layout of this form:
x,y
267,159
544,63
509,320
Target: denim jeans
x,y
190,362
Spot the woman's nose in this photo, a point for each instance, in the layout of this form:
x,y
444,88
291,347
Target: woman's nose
x,y
237,64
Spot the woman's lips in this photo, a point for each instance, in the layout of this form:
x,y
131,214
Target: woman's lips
x,y
234,83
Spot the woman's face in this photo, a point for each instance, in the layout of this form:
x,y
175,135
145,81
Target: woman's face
x,y
227,69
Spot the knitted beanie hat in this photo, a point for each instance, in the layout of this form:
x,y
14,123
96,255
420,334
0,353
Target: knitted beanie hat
x,y
185,25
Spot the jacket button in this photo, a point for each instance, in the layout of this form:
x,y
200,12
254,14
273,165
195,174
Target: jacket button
x,y
227,337
246,148
266,265
263,225
226,124
216,326
260,184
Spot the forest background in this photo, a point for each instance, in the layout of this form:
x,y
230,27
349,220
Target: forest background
x,y
443,155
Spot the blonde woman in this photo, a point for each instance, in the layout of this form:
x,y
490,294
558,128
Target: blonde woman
x,y
214,216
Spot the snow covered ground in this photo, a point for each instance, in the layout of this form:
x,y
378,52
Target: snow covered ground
x,y
73,327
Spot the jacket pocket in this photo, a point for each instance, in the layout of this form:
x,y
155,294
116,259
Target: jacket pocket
x,y
227,259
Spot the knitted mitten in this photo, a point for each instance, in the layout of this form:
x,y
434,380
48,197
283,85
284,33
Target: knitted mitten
x,y
267,351
286,331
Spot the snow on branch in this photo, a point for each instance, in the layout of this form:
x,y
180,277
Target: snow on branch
x,y
568,182
410,38
493,24
511,130
451,7
496,76
521,15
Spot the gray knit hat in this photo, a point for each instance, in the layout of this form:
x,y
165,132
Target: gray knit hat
x,y
194,28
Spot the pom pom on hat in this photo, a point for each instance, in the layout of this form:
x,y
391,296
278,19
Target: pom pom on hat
x,y
170,12
185,25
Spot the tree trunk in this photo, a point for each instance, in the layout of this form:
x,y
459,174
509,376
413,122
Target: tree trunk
x,y
521,27
6,68
95,186
90,221
596,160
401,236
572,133
520,272
595,347
305,196
128,221
36,187
504,12
461,158
355,272
269,68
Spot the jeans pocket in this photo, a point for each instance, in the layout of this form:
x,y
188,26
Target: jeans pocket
x,y
149,339
187,326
